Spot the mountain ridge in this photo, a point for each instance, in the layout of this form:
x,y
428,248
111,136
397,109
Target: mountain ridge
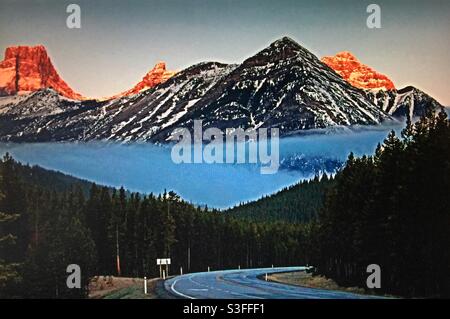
x,y
263,90
283,85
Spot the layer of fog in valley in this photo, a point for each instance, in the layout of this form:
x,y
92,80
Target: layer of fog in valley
x,y
149,168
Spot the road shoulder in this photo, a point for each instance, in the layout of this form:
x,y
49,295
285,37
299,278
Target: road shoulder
x,y
308,280
110,287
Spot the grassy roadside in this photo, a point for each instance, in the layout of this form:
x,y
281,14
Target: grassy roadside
x,y
304,279
110,287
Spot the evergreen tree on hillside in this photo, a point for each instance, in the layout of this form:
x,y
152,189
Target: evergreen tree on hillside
x,y
166,225
392,209
14,203
116,227
299,203
9,275
67,241
11,254
146,238
98,215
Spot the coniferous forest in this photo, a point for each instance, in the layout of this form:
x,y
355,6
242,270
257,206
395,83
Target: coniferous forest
x,y
299,203
113,232
390,209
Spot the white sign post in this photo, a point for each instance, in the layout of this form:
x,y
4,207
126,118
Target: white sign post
x,y
158,262
163,262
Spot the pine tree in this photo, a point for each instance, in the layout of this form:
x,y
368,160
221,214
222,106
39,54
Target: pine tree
x,y
392,210
98,215
116,227
9,275
67,241
9,262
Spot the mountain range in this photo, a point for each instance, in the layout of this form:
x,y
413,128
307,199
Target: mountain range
x,y
283,86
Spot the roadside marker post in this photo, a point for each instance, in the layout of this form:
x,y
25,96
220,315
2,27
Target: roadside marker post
x,y
239,267
208,268
266,277
145,285
181,270
164,274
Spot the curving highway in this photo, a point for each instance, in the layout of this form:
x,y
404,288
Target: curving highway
x,y
245,284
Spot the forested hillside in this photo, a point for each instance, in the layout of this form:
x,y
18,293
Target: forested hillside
x,y
299,203
111,232
392,209
49,180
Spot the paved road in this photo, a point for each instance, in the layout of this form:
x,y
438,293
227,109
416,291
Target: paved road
x,y
244,284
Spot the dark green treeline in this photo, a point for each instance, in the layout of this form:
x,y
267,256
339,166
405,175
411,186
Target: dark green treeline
x,y
392,209
55,229
299,203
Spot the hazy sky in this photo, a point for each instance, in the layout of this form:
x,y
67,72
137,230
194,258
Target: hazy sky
x,y
121,40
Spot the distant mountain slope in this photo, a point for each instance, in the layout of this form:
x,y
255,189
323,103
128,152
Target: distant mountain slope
x,y
141,116
136,117
37,104
298,203
400,103
44,116
48,179
283,86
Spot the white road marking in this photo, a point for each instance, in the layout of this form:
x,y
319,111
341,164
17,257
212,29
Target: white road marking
x,y
201,289
172,287
246,280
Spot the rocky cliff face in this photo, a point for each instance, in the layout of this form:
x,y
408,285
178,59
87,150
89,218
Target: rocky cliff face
x,y
379,89
357,73
159,74
27,69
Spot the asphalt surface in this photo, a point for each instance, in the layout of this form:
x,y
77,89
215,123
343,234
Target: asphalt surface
x,y
245,284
